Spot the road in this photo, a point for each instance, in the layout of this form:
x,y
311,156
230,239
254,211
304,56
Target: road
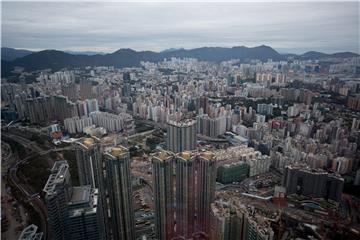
x,y
142,134
28,194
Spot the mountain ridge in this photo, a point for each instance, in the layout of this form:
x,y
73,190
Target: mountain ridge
x,y
10,54
126,57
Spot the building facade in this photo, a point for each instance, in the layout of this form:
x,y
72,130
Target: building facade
x,y
118,182
163,180
181,135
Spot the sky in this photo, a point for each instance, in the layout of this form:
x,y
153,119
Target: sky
x,y
93,26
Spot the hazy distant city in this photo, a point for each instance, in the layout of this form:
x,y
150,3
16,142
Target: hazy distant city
x,y
180,121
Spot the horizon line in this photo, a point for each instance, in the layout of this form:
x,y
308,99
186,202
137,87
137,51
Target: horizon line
x,y
280,50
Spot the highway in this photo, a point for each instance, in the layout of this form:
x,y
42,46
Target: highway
x,y
142,134
28,194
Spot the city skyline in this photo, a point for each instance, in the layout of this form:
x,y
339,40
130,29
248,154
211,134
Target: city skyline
x,y
323,26
246,127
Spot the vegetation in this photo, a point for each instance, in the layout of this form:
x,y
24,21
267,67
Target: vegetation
x,y
16,147
35,172
37,139
33,215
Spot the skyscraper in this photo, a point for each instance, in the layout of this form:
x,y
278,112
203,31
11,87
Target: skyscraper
x,y
315,183
83,220
195,190
181,135
58,191
90,172
185,194
118,183
86,91
205,190
70,91
72,210
163,170
88,157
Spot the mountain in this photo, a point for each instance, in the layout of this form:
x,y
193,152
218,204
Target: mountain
x,y
217,54
171,50
57,60
10,54
313,55
90,53
319,55
345,55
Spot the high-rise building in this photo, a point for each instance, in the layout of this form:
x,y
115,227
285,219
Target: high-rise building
x,y
315,183
211,127
70,91
163,171
76,124
92,105
126,90
118,183
181,135
227,221
91,172
205,190
58,192
72,211
195,190
233,172
264,108
20,104
233,221
88,157
185,194
83,220
86,91
112,122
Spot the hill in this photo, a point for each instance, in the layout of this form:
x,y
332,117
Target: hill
x,y
10,54
57,60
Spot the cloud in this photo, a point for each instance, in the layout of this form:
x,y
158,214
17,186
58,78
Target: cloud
x,y
324,26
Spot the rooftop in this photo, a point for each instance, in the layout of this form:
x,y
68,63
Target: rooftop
x,y
58,176
80,194
89,196
163,155
318,171
30,233
182,123
185,155
88,142
118,151
207,155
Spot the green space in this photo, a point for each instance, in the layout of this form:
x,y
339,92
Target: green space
x,y
35,172
16,147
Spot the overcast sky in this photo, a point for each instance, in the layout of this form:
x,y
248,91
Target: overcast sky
x,y
288,27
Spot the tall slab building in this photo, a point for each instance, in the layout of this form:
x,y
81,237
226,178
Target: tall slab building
x,y
88,157
118,184
90,171
182,210
185,194
181,135
72,211
195,190
163,171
